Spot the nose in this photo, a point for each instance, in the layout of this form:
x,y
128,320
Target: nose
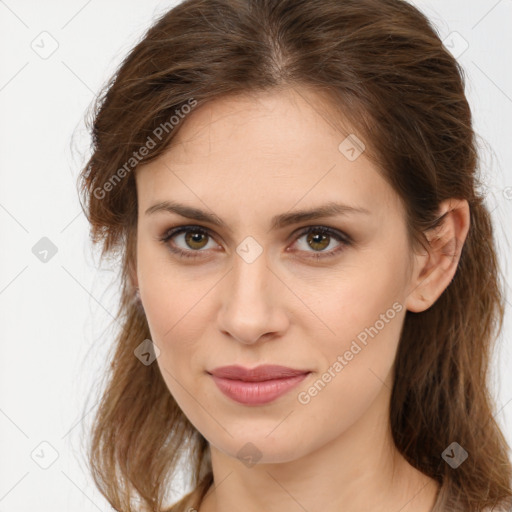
x,y
252,302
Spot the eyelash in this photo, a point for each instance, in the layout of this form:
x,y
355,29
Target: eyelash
x,y
343,238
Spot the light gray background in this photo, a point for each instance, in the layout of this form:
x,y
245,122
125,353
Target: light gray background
x,y
56,315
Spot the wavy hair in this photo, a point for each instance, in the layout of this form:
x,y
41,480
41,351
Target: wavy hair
x,y
383,65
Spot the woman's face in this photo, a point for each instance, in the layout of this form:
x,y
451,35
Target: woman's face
x,y
254,291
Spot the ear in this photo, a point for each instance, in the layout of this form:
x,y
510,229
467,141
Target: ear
x,y
434,269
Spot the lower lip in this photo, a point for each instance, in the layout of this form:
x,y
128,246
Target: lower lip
x,y
257,393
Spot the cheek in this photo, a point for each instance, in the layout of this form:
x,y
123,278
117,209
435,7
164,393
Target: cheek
x,y
364,313
175,319
171,296
360,298
176,315
367,332
356,363
178,312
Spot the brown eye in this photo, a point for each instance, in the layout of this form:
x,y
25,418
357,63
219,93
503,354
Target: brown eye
x,y
318,241
187,241
196,239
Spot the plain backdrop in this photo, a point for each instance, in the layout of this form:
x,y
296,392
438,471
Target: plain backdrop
x,y
57,314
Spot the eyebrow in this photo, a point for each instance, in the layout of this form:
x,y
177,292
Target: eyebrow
x,y
278,222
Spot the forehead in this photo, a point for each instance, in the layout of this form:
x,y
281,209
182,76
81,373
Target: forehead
x,y
266,150
286,123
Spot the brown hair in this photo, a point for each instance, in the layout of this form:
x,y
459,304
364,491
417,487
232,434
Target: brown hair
x,y
384,66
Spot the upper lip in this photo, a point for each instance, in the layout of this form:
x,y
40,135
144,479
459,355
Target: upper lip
x,y
257,374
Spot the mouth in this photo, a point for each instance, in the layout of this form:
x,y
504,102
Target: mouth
x,y
256,386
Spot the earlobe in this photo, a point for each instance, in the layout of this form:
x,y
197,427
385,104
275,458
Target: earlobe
x,y
434,270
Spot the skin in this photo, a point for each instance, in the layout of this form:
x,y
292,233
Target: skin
x,y
246,159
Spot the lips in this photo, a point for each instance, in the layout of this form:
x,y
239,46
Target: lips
x,y
258,374
256,386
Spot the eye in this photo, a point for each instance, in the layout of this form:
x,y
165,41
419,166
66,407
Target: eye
x,y
192,238
320,238
189,241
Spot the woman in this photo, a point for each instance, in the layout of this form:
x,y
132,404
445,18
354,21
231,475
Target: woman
x,y
310,289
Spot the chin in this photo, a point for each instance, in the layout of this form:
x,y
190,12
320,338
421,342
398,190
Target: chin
x,y
251,447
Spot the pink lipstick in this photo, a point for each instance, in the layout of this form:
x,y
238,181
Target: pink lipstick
x,y
256,386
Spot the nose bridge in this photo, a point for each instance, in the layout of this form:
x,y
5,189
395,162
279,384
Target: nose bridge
x,y
249,284
249,304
